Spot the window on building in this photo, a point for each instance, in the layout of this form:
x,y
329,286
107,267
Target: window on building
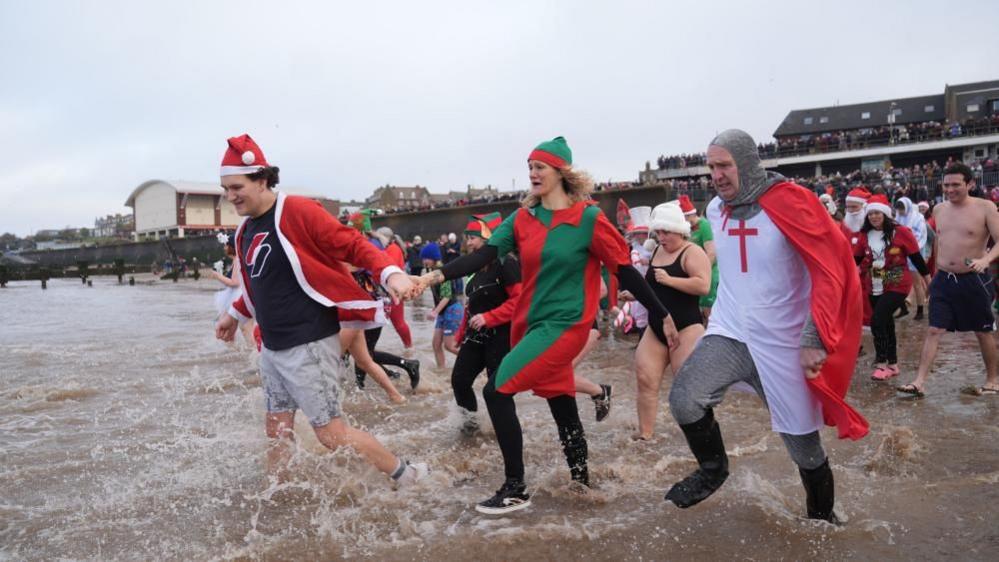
x,y
896,112
808,120
972,107
823,119
929,109
865,114
995,105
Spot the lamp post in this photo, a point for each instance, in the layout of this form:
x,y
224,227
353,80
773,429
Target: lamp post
x,y
891,122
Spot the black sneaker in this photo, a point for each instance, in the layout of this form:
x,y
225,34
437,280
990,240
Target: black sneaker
x,y
511,497
412,367
919,313
902,312
602,403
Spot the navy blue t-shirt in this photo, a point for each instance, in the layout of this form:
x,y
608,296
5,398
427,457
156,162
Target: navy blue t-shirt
x,y
287,316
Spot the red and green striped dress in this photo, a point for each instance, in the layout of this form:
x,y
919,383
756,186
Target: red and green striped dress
x,y
560,255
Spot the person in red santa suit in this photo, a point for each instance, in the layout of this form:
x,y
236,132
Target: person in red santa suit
x,y
292,254
787,323
882,253
853,219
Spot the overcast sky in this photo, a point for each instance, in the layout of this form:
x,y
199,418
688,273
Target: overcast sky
x,y
97,97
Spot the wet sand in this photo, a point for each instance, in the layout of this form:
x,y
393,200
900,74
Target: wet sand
x,y
127,432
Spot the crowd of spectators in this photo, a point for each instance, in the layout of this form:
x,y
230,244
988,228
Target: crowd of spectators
x,y
853,139
502,196
922,179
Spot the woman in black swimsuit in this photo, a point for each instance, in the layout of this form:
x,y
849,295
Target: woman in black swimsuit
x,y
679,274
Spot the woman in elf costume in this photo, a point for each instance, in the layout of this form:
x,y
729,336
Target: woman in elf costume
x,y
562,238
484,336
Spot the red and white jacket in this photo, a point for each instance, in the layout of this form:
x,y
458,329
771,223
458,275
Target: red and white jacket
x,y
318,246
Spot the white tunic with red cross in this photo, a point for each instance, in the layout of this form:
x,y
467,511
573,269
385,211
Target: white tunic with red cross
x,y
764,292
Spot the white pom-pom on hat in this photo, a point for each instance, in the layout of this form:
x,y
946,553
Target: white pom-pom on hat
x,y
248,157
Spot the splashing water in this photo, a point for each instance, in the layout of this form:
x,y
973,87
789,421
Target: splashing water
x,y
128,432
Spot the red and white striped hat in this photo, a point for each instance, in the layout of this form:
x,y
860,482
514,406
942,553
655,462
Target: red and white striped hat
x,y
243,156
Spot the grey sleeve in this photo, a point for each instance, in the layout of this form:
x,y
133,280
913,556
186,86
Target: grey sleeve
x,y
810,335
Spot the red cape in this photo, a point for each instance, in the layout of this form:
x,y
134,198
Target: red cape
x,y
836,297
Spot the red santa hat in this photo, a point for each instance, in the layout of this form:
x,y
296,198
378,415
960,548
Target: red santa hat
x,y
880,204
858,195
242,157
687,206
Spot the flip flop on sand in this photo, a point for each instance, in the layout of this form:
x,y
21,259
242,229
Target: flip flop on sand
x,y
910,389
971,390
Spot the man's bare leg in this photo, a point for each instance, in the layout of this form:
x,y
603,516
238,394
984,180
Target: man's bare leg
x,y
280,428
338,434
927,357
990,354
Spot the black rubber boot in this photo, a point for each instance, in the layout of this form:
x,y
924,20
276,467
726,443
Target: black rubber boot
x,y
576,452
705,441
819,492
412,367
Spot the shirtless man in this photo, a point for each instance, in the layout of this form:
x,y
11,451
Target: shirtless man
x,y
962,292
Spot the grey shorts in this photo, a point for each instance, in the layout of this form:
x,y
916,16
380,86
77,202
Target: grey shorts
x,y
308,377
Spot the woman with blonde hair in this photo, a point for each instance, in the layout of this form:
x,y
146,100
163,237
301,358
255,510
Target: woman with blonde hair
x,y
680,274
562,238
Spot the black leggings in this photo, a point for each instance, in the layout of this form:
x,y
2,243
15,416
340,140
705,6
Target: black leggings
x,y
883,325
503,413
473,357
382,358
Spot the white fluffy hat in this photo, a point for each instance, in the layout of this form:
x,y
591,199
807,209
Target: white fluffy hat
x,y
639,218
668,217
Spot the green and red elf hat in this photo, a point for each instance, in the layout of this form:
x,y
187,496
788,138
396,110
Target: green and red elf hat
x,y
484,225
361,220
555,153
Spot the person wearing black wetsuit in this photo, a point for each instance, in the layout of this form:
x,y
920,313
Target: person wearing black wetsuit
x,y
484,336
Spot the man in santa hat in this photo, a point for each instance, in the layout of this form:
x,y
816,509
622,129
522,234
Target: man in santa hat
x,y
856,200
786,322
296,286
